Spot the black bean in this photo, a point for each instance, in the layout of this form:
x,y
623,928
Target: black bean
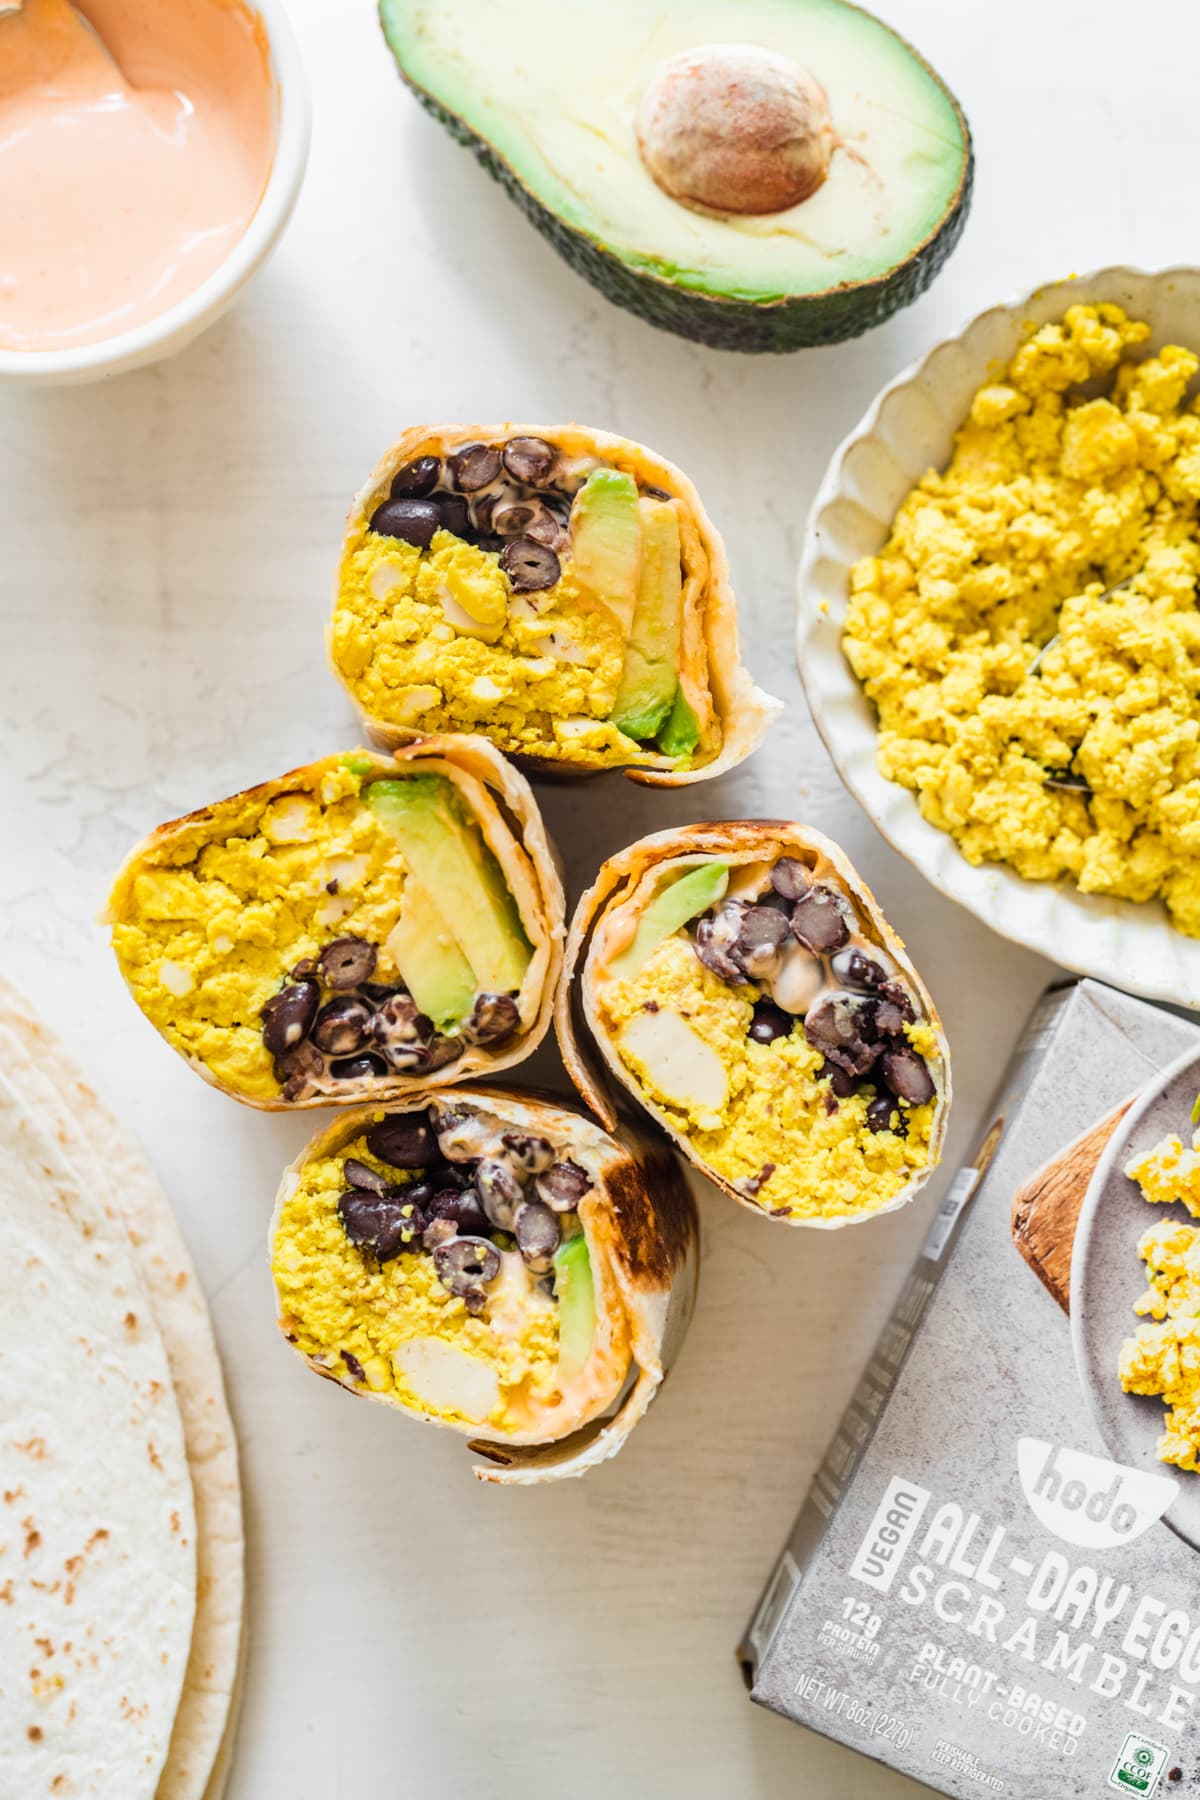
x,y
297,1070
342,1026
512,519
550,525
538,1235
473,467
358,1068
398,1021
530,566
412,521
907,1075
530,1155
790,878
499,1190
881,1113
461,1133
461,1208
529,459
355,1367
842,1083
769,1023
361,1175
841,1026
417,478
405,1141
819,921
304,968
440,1051
889,1020
563,1186
379,991
776,902
852,968
384,1225
714,940
347,961
444,1175
493,1018
465,1263
760,934
655,493
438,1232
453,514
288,1016
898,995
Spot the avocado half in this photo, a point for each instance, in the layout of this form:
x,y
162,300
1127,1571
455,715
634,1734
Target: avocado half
x,y
751,174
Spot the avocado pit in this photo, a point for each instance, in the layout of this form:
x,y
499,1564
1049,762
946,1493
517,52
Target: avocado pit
x,y
735,129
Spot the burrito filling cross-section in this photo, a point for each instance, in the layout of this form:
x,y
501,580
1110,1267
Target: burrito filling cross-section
x,y
358,923
568,598
489,1262
772,1024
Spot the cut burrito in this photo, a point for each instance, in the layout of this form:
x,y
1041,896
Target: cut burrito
x,y
492,1262
560,589
741,982
352,930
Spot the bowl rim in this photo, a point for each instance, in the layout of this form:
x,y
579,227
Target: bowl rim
x,y
199,308
952,874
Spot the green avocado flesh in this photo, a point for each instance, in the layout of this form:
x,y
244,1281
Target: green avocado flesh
x,y
547,91
575,1292
681,733
606,541
672,906
650,677
462,935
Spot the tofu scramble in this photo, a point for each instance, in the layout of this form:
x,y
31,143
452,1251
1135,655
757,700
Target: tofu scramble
x,y
1163,1358
1037,722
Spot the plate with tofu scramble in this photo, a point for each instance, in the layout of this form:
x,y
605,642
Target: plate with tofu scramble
x,y
999,632
1135,1290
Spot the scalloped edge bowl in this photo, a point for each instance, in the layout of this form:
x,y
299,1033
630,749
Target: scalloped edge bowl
x,y
909,429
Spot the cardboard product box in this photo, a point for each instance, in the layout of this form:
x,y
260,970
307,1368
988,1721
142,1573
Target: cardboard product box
x,y
974,1592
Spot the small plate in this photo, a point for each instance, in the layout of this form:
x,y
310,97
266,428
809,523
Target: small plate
x,y
1107,1275
908,430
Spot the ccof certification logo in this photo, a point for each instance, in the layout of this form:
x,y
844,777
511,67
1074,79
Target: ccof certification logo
x,y
1138,1766
1087,1500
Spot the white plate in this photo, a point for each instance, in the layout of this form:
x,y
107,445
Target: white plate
x,y
910,429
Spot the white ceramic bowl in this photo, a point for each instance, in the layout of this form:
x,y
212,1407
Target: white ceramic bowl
x,y
175,328
908,430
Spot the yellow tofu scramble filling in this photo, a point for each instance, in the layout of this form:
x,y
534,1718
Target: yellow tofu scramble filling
x,y
338,1300
541,681
1163,1359
826,1162
1050,497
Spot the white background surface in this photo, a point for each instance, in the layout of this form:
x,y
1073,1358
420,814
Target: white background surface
x,y
165,559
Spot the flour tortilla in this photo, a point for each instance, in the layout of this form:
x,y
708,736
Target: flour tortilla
x,y
115,1172
500,799
580,1028
710,648
98,1536
643,1235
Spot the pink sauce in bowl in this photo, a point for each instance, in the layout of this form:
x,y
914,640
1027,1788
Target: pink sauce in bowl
x,y
130,168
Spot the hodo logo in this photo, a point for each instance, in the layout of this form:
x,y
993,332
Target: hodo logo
x,y
1087,1500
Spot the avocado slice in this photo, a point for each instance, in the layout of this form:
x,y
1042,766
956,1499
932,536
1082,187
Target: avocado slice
x,y
651,673
575,1291
606,542
444,849
680,900
431,965
881,190
681,733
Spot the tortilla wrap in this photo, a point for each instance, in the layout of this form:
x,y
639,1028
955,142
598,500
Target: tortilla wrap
x,y
733,713
492,794
113,1169
641,1230
629,880
100,1570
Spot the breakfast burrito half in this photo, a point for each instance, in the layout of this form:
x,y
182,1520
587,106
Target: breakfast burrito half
x,y
741,982
353,930
559,589
492,1262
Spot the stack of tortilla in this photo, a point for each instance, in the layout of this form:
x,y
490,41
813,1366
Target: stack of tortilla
x,y
121,1546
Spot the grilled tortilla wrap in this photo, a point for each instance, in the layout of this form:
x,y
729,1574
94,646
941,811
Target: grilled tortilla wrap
x,y
353,930
740,981
100,1585
493,1262
560,589
110,1166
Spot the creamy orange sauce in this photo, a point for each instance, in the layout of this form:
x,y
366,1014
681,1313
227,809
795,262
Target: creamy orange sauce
x,y
129,166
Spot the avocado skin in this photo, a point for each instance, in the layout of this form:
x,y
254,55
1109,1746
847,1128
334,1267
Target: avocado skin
x,y
800,323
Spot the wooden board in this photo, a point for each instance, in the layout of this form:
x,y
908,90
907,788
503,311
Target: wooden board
x,y
1045,1209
